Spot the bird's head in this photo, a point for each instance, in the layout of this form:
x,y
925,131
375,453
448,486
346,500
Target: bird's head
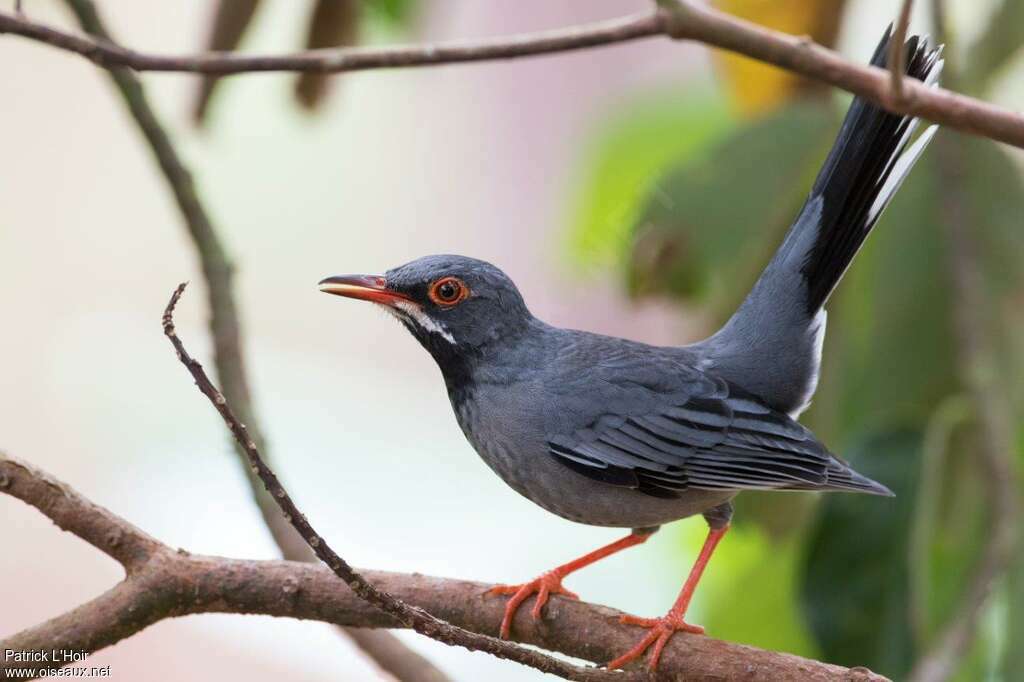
x,y
458,308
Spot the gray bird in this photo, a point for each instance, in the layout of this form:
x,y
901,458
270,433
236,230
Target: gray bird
x,y
611,432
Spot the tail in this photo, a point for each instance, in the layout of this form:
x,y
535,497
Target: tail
x,y
772,345
868,163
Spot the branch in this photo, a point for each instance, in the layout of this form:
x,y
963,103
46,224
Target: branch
x,y
677,19
171,583
225,328
409,616
897,51
337,60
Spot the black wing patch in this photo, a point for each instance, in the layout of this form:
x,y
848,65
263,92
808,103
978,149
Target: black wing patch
x,y
730,441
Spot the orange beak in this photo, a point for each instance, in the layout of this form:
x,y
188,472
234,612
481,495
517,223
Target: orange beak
x,y
364,287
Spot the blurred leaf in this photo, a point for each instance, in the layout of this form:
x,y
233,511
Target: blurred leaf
x,y
985,659
854,591
777,515
1015,631
734,603
333,23
996,195
889,352
630,149
757,88
716,219
396,13
229,24
960,534
995,47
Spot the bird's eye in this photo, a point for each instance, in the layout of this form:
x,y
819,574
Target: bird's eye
x,y
448,291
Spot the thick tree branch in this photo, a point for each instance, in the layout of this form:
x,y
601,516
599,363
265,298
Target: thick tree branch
x,y
171,583
678,19
225,329
71,512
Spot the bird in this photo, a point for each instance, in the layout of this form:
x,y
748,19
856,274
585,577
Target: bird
x,y
612,432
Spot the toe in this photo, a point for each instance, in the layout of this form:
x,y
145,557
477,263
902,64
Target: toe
x,y
634,653
542,599
627,619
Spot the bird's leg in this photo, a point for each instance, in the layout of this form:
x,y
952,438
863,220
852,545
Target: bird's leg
x,y
550,582
662,629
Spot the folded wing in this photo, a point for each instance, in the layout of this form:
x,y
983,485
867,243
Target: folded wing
x,y
723,439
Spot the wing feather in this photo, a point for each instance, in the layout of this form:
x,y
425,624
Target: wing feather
x,y
720,440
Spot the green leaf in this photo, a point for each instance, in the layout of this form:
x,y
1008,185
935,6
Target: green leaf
x,y
711,223
629,150
753,581
394,13
854,591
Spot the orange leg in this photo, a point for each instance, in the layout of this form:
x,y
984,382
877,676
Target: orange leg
x,y
550,582
662,629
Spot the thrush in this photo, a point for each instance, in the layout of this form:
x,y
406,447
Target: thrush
x,y
611,432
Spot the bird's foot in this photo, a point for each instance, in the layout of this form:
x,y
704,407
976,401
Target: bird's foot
x,y
661,630
543,586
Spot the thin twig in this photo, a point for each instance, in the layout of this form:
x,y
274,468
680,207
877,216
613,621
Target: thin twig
x,y
897,50
109,55
678,19
410,616
225,329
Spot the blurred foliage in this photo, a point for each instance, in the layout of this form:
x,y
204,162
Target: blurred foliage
x,y
331,23
628,151
230,20
692,251
756,87
854,592
769,572
690,203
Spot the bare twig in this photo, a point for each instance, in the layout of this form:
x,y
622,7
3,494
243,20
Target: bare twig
x,y
678,19
409,616
225,328
338,60
167,583
897,51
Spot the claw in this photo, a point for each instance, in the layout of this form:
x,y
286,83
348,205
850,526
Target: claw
x,y
543,586
661,630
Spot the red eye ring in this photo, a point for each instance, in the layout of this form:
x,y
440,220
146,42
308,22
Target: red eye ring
x,y
448,291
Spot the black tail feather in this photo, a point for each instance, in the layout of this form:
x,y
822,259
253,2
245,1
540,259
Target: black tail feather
x,y
857,180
